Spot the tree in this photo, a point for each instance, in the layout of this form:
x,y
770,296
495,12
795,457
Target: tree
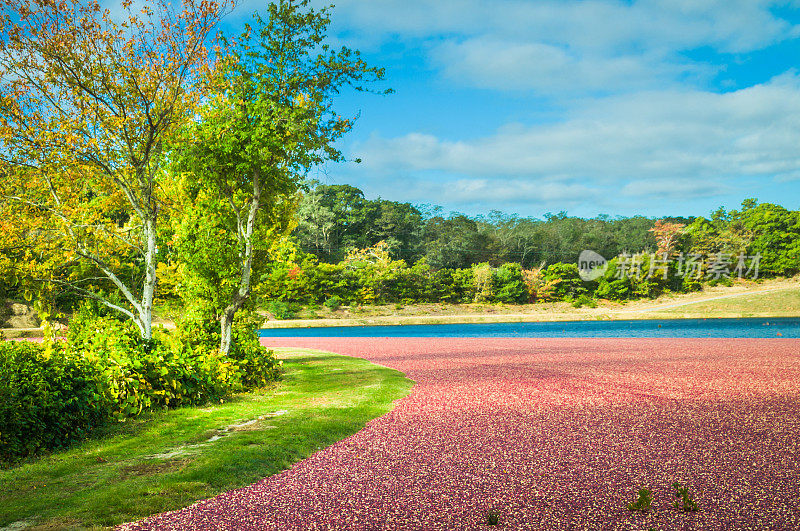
x,y
333,219
772,232
374,271
316,223
87,105
454,242
271,119
337,215
667,235
510,284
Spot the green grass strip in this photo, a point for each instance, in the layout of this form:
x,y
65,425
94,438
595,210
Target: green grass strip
x,y
167,460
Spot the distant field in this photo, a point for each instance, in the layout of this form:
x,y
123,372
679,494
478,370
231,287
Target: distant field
x,y
784,303
773,298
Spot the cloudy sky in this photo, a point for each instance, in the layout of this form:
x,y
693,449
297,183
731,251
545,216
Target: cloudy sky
x,y
648,107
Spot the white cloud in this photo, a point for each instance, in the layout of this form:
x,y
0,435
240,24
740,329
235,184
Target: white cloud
x,y
674,188
574,45
680,143
728,25
507,65
633,121
469,191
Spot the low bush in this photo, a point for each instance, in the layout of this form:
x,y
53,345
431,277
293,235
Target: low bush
x,y
565,281
643,501
49,398
685,500
160,373
280,310
333,303
257,366
55,394
510,284
583,300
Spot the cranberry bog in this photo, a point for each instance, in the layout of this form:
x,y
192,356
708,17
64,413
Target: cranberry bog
x,y
547,434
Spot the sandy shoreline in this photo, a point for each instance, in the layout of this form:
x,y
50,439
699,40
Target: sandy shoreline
x,y
686,306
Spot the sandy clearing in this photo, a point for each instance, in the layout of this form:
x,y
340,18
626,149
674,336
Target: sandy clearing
x,y
660,308
550,433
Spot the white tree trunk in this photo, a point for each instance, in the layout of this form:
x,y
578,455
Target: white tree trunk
x,y
149,288
245,235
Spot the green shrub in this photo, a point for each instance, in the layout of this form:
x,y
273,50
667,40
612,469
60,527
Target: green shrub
x,y
58,393
182,367
690,283
584,300
643,501
280,310
509,284
333,303
566,281
722,281
49,398
685,500
483,281
167,371
257,366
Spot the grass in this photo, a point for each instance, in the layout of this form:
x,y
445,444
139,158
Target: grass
x,y
170,459
643,501
743,299
776,303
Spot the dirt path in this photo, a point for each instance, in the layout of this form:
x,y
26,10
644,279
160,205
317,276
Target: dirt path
x,y
550,434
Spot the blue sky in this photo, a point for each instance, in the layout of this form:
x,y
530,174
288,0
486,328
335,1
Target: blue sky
x,y
672,107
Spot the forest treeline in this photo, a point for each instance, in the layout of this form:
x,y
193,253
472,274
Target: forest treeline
x,y
334,219
349,249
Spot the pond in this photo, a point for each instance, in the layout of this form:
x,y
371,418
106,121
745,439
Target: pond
x,y
787,327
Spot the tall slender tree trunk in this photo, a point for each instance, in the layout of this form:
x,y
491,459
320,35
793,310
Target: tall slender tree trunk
x,y
226,324
149,288
243,292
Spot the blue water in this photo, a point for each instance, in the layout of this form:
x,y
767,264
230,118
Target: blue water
x,y
750,327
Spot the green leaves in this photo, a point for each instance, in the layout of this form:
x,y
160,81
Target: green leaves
x,y
684,499
268,120
643,502
49,398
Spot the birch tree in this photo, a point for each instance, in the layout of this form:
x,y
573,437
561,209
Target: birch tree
x,y
271,119
88,101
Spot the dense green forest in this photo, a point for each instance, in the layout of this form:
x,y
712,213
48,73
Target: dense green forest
x,y
333,219
349,249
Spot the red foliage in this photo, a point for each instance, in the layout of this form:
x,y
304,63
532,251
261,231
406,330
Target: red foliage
x,y
294,272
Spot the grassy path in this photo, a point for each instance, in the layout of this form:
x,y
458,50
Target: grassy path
x,y
170,459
